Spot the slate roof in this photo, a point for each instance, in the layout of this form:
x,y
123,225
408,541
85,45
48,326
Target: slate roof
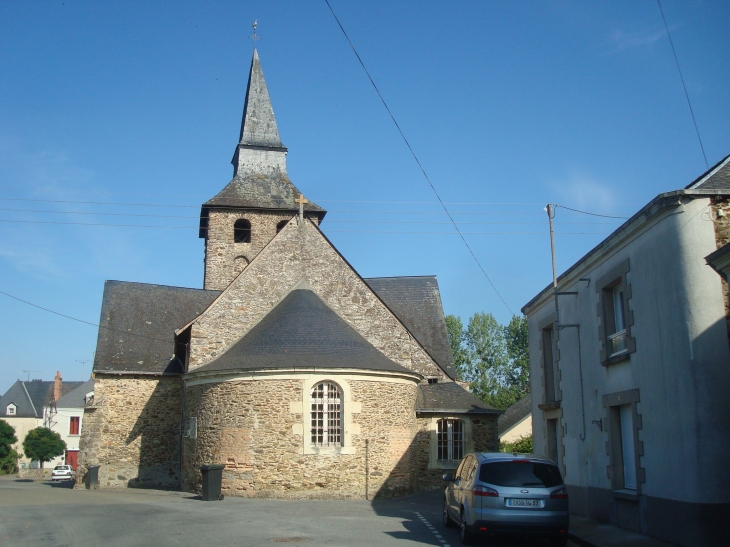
x,y
31,397
77,397
715,178
258,126
271,188
152,313
416,301
451,397
515,414
302,332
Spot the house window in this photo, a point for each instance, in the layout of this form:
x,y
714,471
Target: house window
x,y
616,319
280,226
74,425
553,440
628,454
623,447
242,231
326,415
450,440
10,410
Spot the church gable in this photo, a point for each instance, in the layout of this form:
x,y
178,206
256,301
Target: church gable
x,y
301,252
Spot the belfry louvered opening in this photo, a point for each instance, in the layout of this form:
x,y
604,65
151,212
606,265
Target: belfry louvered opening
x,y
326,404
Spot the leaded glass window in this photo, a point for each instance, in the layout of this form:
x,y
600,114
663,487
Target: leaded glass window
x,y
326,410
450,440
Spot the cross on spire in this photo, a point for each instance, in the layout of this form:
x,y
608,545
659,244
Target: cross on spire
x,y
301,200
255,36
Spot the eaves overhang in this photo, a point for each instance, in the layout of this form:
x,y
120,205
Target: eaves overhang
x,y
639,221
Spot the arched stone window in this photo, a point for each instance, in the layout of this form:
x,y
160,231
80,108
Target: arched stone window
x,y
450,440
242,231
239,263
280,225
326,415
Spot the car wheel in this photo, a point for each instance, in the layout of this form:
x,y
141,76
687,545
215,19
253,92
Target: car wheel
x,y
467,538
448,523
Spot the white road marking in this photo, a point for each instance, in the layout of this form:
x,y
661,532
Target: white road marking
x,y
438,536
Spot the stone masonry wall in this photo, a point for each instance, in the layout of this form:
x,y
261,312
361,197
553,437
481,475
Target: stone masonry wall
x,y
482,440
249,427
221,251
132,431
300,252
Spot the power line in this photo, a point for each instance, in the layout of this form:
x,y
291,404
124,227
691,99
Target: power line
x,y
327,231
587,213
416,157
126,333
329,221
694,121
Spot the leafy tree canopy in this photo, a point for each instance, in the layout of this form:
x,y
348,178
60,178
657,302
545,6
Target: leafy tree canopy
x,y
43,445
7,438
492,357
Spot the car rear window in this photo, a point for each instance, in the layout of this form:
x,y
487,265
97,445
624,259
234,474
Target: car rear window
x,y
520,474
59,468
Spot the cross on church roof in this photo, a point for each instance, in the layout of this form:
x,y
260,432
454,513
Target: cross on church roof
x,y
255,36
301,200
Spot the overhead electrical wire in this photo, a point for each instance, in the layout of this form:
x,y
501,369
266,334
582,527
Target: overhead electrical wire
x,y
686,94
326,231
433,188
587,213
126,333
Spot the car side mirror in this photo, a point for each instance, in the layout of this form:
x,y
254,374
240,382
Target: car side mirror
x,y
448,477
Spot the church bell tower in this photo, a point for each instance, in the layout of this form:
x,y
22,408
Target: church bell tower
x,y
260,200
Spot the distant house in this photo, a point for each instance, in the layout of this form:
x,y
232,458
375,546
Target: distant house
x,y
630,382
66,419
23,407
516,422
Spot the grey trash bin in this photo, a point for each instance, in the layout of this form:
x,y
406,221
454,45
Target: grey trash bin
x,y
92,477
212,478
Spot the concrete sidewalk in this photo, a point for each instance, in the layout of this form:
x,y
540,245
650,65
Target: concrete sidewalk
x,y
590,533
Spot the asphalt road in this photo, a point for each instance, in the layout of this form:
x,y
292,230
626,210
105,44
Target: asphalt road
x,y
53,515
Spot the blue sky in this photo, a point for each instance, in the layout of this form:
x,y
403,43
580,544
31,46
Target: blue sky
x,y
509,106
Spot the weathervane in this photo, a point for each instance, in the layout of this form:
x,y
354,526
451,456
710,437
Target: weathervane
x,y
255,36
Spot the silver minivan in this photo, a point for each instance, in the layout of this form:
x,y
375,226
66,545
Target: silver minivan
x,y
498,493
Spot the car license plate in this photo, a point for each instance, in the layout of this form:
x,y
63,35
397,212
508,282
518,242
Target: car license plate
x,y
523,503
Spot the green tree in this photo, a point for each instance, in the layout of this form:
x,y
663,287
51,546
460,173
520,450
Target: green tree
x,y
523,445
43,445
8,455
492,357
455,329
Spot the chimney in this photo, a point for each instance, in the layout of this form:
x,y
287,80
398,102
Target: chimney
x,y
57,386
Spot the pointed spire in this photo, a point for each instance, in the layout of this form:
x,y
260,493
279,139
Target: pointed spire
x,y
258,126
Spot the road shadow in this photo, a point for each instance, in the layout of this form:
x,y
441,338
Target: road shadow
x,y
68,485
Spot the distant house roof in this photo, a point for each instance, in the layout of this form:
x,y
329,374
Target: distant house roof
x,y
138,323
77,397
515,414
447,397
416,302
302,332
31,397
715,178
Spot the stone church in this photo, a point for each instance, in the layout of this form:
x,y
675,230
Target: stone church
x,y
302,378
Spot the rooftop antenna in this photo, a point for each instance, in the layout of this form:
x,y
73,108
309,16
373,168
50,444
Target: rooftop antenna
x,y
29,371
255,36
83,363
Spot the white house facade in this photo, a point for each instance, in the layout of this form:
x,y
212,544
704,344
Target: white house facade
x,y
630,382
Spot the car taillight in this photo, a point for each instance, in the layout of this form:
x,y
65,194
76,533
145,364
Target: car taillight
x,y
560,494
480,490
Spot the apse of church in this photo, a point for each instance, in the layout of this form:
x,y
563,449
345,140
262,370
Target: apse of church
x,y
302,378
